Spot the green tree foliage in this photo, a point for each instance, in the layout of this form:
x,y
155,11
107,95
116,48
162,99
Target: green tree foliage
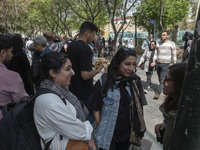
x,y
165,12
58,16
61,16
91,10
44,15
188,22
12,15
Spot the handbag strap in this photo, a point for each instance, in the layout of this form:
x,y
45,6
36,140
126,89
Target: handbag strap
x,y
49,142
47,145
151,57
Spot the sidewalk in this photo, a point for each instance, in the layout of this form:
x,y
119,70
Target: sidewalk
x,y
152,113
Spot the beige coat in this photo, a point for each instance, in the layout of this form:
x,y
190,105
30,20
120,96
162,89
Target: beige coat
x,y
145,59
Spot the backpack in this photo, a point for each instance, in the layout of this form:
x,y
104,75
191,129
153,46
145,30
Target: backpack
x,y
36,72
104,90
17,127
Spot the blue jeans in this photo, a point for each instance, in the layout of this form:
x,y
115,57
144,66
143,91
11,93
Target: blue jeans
x,y
87,102
149,75
162,70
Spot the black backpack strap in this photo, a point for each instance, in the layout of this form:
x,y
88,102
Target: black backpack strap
x,y
104,89
47,145
43,91
151,57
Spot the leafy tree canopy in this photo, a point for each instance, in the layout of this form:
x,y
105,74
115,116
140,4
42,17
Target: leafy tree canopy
x,y
165,12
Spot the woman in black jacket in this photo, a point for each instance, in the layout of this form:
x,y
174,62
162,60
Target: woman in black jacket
x,y
187,38
20,63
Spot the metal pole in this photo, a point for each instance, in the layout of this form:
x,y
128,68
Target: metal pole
x,y
109,28
135,30
154,31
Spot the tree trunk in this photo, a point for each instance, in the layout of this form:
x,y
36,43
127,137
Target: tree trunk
x,y
161,11
186,135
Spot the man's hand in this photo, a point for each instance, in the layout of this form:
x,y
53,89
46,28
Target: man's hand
x,y
91,144
86,75
99,67
139,65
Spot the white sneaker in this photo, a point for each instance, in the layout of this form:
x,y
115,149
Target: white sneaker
x,y
145,91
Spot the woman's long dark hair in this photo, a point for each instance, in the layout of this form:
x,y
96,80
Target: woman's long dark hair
x,y
119,57
177,73
150,44
53,60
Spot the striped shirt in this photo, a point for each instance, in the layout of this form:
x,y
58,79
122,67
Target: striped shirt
x,y
165,53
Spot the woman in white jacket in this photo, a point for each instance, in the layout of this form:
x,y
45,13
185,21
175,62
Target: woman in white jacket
x,y
63,123
147,59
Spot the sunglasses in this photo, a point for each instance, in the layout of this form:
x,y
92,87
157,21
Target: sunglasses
x,y
167,79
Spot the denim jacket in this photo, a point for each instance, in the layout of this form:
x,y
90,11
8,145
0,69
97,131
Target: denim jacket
x,y
104,132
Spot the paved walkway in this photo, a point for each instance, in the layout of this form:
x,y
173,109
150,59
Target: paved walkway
x,y
151,112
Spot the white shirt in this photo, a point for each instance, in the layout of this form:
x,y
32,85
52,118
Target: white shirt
x,y
53,118
165,53
131,45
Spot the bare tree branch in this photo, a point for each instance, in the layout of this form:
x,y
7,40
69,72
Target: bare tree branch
x,y
76,11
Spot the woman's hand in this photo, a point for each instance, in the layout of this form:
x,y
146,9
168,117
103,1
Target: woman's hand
x,y
97,117
91,144
158,128
153,64
139,65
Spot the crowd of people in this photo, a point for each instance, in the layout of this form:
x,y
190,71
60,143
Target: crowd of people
x,y
115,102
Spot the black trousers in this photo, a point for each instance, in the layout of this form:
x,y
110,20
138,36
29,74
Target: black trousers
x,y
118,146
149,75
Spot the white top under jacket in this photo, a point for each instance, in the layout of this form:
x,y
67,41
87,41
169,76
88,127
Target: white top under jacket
x,y
53,118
